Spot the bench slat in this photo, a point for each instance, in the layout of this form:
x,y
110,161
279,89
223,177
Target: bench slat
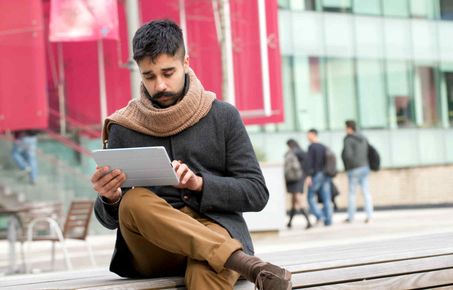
x,y
363,253
410,281
349,264
373,271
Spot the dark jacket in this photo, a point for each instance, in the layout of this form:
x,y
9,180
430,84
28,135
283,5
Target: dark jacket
x,y
316,158
217,148
355,151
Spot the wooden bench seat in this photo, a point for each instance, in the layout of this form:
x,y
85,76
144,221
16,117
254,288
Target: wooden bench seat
x,y
417,262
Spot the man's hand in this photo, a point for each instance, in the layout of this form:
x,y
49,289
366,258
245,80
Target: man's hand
x,y
309,181
108,183
187,179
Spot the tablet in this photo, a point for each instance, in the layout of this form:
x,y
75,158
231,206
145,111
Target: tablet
x,y
144,166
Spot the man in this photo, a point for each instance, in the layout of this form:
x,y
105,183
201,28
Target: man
x,y
195,229
317,180
355,160
24,153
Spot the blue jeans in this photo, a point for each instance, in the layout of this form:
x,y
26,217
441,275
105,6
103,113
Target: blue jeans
x,y
24,154
359,176
321,183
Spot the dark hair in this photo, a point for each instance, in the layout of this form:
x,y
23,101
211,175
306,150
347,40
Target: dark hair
x,y
351,124
292,143
158,37
314,131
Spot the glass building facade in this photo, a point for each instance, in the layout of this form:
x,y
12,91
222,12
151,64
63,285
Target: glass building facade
x,y
388,64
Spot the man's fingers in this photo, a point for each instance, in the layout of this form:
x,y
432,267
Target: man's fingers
x,y
105,183
114,184
100,171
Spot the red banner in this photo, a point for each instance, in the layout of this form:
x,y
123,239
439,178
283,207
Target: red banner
x,y
81,20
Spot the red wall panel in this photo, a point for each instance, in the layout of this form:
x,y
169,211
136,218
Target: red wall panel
x,y
23,97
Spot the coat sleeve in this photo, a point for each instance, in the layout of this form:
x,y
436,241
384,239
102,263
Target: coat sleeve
x,y
106,214
242,188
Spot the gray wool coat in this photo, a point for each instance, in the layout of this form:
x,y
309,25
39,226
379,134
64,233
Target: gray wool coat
x,y
216,148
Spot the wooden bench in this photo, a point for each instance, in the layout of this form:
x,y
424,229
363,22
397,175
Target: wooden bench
x,y
416,262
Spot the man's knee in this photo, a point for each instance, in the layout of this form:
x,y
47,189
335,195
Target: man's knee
x,y
200,276
134,199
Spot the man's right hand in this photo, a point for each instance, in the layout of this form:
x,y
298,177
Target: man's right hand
x,y
108,183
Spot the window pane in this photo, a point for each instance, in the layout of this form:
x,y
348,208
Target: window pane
x,y
398,8
297,4
372,97
283,4
371,7
422,9
342,102
288,95
310,101
401,98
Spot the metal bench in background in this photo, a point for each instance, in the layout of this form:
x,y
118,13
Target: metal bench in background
x,y
75,227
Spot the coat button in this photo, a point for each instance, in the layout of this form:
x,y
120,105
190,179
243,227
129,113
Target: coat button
x,y
186,197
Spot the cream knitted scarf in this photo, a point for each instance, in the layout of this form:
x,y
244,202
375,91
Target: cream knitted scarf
x,y
140,115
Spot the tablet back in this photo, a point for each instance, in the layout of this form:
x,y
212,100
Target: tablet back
x,y
144,166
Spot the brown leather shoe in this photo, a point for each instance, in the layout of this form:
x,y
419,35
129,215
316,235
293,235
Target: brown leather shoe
x,y
272,277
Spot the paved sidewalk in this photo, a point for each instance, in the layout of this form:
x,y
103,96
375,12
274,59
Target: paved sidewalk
x,y
385,224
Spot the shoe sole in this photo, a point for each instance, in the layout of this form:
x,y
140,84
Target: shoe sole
x,y
287,277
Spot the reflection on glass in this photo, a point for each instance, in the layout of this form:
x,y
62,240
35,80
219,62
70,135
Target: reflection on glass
x,y
449,82
337,6
446,9
428,94
283,4
404,111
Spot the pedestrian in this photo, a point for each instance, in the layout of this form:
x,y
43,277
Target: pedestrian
x,y
318,180
196,228
355,160
294,180
24,153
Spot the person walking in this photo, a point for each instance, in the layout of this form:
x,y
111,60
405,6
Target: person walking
x,y
355,160
195,229
294,179
23,153
318,180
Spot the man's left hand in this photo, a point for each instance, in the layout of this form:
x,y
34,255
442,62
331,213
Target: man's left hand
x,y
187,178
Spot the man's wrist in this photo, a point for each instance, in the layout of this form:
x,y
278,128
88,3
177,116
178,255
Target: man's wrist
x,y
200,184
109,201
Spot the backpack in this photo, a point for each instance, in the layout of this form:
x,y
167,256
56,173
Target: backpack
x,y
292,168
374,160
330,167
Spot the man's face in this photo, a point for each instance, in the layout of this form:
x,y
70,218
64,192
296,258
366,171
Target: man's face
x,y
311,137
164,78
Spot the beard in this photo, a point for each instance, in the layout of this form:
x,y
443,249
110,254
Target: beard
x,y
174,97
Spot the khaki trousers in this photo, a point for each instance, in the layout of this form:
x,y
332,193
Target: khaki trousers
x,y
165,241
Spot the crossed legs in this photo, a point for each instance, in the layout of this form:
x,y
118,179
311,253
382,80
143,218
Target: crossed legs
x,y
166,241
